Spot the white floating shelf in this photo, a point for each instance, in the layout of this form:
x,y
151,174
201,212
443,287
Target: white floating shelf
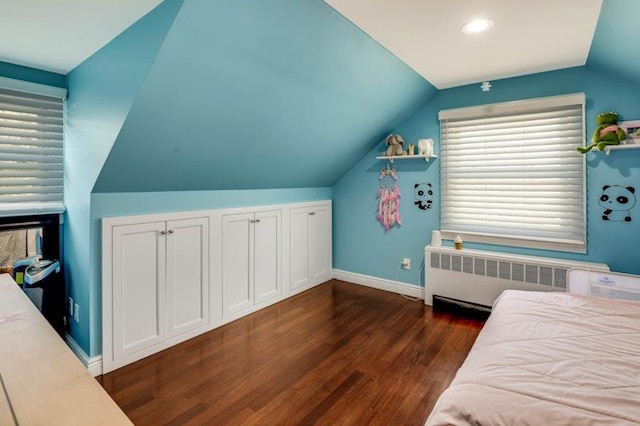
x,y
610,148
392,158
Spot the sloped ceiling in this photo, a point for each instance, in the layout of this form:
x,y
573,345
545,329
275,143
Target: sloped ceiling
x,y
255,94
282,94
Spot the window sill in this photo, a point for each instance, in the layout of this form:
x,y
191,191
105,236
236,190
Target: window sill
x,y
569,247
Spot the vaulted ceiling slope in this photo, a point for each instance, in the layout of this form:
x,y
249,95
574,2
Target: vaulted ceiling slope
x,y
254,94
283,94
615,48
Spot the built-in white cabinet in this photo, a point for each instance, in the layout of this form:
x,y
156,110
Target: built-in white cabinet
x,y
310,246
187,267
158,273
169,277
139,289
251,259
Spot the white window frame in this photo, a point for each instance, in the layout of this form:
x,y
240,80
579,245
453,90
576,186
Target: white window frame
x,y
507,109
23,208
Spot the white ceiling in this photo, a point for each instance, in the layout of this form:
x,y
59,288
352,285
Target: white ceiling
x,y
57,35
527,37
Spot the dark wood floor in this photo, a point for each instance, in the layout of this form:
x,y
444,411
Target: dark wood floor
x,y
336,354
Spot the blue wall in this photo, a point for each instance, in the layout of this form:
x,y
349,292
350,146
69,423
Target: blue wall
x,y
614,48
253,94
101,91
360,244
32,75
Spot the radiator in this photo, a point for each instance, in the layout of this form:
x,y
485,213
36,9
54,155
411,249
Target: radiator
x,y
478,276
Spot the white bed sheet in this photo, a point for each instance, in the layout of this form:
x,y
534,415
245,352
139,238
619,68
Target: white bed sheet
x,y
549,359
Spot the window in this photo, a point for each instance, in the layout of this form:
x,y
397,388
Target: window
x,y
31,152
511,175
28,236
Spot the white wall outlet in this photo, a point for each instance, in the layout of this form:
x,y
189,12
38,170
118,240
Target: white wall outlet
x,y
76,313
406,263
70,302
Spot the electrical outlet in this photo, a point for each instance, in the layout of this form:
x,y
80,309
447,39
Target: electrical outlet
x,y
70,302
76,313
406,263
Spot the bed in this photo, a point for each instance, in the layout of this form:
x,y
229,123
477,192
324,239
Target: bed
x,y
549,359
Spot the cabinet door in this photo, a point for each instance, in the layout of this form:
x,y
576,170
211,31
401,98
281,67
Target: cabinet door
x,y
187,274
267,255
237,262
139,296
299,247
319,244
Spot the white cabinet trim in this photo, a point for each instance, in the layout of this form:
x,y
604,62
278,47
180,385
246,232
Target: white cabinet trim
x,y
112,357
215,306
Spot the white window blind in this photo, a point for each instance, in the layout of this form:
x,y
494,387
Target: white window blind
x,y
31,153
511,175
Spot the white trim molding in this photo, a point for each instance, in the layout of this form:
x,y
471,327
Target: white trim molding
x,y
379,283
93,364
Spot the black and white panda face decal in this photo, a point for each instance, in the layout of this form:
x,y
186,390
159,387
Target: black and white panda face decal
x,y
617,202
424,195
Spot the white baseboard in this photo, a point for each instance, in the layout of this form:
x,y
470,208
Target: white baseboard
x,y
379,283
93,364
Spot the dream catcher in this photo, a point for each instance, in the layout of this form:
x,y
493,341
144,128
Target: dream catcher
x,y
389,199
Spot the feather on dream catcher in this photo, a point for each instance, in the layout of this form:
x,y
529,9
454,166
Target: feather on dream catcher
x,y
388,199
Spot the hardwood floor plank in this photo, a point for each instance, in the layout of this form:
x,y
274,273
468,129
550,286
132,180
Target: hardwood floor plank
x,y
316,414
336,354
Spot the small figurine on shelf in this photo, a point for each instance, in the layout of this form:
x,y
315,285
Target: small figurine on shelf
x,y
607,133
394,145
425,147
412,149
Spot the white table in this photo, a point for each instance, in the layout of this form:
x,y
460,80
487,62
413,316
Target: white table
x,y
43,383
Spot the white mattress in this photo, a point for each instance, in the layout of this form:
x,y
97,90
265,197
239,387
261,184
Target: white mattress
x,y
549,359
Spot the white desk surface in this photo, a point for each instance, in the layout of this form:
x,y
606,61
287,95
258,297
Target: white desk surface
x,y
42,381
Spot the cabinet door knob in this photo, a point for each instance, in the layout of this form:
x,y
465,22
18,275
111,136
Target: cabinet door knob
x,y
257,220
170,231
312,213
162,232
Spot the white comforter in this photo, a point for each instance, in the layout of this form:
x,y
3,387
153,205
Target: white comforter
x,y
549,359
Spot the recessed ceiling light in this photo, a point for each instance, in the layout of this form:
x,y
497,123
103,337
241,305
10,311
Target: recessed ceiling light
x,y
477,26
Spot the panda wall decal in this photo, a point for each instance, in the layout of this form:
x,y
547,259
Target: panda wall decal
x,y
424,195
617,202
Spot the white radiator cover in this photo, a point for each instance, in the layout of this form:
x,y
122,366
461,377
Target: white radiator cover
x,y
478,276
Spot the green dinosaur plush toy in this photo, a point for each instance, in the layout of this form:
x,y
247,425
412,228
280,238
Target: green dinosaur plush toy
x,y
607,133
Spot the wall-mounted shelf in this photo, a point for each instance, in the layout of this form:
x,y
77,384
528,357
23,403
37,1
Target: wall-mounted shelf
x,y
392,158
610,148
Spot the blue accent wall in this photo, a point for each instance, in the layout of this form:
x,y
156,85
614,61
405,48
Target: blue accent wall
x,y
138,203
101,91
359,242
32,75
253,94
614,48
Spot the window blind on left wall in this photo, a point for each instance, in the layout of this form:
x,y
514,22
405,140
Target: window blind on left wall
x,y
31,153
